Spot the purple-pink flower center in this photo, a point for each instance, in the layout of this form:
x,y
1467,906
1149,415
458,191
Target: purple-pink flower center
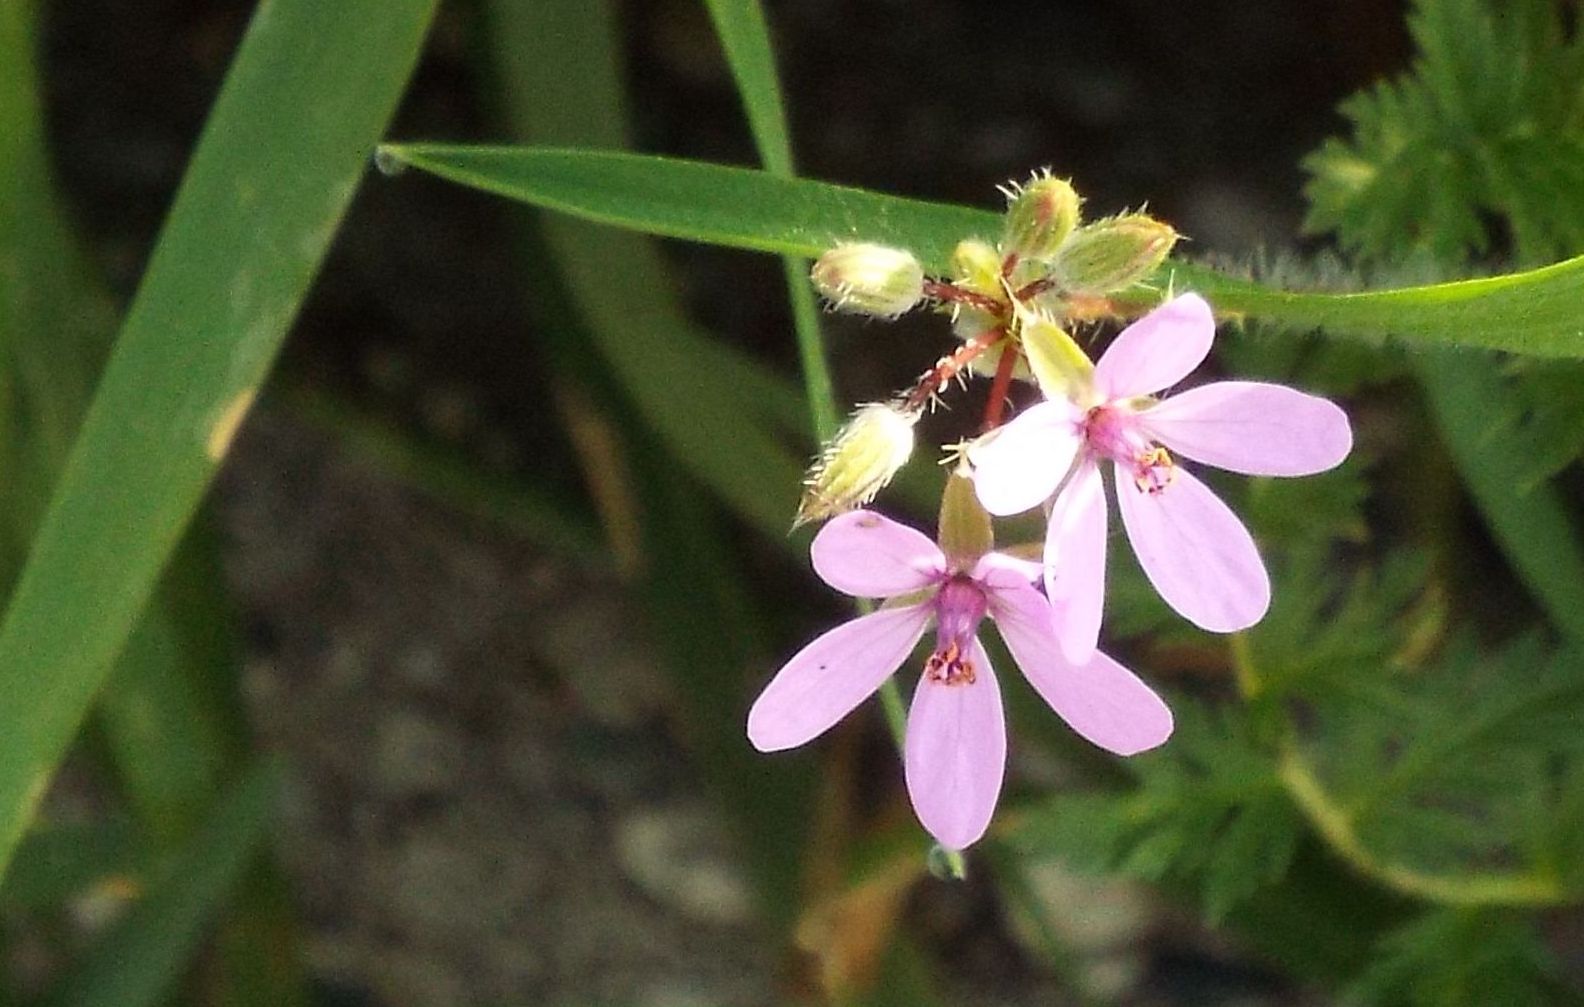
x,y
1112,431
959,608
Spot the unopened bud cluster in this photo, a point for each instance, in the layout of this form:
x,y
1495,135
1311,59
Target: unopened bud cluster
x,y
1016,297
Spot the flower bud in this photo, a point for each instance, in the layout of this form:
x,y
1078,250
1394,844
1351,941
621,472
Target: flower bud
x,y
977,267
965,531
1112,254
869,279
1060,365
858,461
1040,216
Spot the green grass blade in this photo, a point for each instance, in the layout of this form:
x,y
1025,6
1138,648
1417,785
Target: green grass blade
x,y
746,39
738,207
142,957
53,329
1539,311
309,92
168,718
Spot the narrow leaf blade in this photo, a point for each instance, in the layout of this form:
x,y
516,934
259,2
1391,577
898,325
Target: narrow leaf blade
x,y
309,92
1538,311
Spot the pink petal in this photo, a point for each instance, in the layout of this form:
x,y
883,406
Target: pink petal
x,y
1098,698
1252,427
829,677
1075,562
1158,350
956,754
867,555
997,569
1197,553
1021,464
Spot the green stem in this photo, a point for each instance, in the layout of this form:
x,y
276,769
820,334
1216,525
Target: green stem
x,y
746,40
1337,827
895,712
811,352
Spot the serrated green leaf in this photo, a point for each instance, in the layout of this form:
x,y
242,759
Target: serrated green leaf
x,y
1436,773
278,162
1333,629
1086,830
1207,814
1486,122
1539,312
1458,958
1252,851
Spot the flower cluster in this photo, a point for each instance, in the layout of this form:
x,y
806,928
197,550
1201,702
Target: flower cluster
x,y
1011,305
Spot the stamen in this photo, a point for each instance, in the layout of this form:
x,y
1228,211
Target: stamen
x,y
959,607
1154,470
949,667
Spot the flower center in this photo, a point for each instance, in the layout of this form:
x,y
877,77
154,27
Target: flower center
x,y
959,608
1112,431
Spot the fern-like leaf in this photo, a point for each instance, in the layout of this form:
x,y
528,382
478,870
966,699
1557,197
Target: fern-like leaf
x,y
1489,121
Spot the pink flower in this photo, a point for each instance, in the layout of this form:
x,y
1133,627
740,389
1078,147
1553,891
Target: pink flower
x,y
1194,550
956,737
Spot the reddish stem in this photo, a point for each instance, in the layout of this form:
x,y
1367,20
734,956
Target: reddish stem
x,y
995,405
948,367
953,294
1034,288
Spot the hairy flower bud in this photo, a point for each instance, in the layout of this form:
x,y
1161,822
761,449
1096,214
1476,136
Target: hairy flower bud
x,y
868,279
1040,216
977,267
858,461
1112,254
